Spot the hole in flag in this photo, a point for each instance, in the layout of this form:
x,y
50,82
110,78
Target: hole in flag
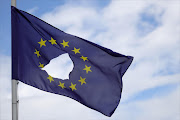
x,y
60,67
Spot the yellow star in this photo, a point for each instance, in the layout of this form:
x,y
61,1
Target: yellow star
x,y
82,80
50,78
65,44
76,50
84,58
52,41
42,43
37,53
61,85
87,69
41,65
73,86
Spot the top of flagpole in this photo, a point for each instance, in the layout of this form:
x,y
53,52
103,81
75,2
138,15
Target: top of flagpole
x,y
13,3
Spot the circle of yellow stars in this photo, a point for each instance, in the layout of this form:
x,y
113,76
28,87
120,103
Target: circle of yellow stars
x,y
75,50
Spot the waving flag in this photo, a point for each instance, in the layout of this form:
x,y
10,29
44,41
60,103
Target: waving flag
x,y
96,79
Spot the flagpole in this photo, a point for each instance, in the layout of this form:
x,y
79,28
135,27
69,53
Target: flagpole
x,y
14,100
14,88
13,3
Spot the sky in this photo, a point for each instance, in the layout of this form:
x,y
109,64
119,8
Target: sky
x,y
148,30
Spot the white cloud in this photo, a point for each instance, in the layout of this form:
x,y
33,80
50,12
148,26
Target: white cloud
x,y
157,57
119,19
160,108
71,17
49,106
32,10
60,67
156,53
5,87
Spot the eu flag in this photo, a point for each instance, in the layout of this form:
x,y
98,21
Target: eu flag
x,y
96,79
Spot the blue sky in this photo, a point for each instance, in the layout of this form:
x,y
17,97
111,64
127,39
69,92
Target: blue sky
x,y
147,30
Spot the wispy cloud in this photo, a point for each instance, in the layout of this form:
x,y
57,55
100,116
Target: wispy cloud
x,y
147,30
32,10
5,87
60,67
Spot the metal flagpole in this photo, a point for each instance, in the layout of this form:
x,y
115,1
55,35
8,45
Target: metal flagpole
x,y
13,3
14,100
14,88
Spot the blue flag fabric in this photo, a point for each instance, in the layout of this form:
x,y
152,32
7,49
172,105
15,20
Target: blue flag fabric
x,y
96,79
